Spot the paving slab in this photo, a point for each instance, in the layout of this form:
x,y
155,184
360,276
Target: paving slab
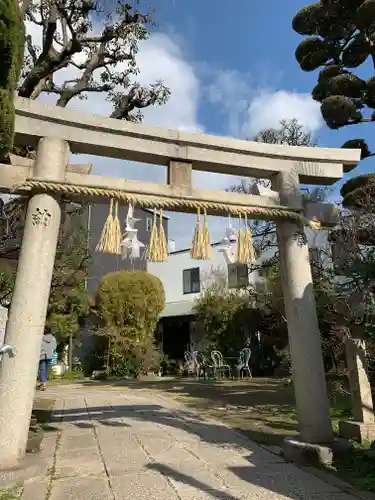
x,y
77,441
118,445
81,489
80,462
143,486
36,490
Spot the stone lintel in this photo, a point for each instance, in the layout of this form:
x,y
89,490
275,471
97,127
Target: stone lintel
x,y
97,135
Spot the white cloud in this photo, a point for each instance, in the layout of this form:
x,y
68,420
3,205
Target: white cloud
x,y
267,109
250,104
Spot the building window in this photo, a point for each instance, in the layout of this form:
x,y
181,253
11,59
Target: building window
x,y
238,275
191,280
149,222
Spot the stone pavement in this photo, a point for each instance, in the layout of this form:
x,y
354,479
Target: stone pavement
x,y
128,445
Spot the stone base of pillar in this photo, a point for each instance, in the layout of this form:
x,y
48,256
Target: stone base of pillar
x,y
298,451
359,431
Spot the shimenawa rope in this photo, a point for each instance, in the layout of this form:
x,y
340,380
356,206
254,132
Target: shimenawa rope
x,y
164,202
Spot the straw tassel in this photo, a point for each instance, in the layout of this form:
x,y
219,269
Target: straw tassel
x,y
152,252
249,255
195,251
163,246
206,243
116,232
104,244
240,242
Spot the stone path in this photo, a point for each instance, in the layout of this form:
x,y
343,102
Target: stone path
x,y
124,445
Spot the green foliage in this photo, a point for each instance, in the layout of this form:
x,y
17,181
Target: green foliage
x,y
340,37
357,466
128,304
107,49
358,144
231,318
218,310
14,493
359,192
72,375
127,367
69,302
12,39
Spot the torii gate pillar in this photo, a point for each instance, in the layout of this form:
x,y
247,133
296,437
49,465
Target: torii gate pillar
x,y
303,328
28,309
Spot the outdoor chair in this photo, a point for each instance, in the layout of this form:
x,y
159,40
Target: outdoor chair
x,y
244,366
219,366
202,367
189,362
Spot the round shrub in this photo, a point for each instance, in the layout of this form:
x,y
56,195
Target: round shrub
x,y
305,21
129,303
338,110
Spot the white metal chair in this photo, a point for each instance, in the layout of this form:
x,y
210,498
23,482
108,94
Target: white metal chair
x,y
189,362
219,366
202,367
244,364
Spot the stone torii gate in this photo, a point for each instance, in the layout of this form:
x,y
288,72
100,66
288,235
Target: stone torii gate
x,y
55,133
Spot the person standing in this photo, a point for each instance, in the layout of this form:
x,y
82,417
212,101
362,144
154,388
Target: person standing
x,y
48,349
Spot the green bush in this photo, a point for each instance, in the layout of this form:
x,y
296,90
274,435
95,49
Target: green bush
x,y
128,367
72,375
12,40
128,305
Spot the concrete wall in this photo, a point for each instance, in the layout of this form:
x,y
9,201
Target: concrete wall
x,y
171,272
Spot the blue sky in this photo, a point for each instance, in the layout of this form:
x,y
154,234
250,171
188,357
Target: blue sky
x,y
254,39
231,71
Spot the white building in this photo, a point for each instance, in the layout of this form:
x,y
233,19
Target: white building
x,y
184,279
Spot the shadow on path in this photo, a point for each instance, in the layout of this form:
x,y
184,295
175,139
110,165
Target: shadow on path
x,y
265,471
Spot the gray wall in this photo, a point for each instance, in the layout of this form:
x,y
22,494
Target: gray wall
x,y
101,263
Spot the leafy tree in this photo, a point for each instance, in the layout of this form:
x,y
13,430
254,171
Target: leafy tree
x,y
99,48
340,36
216,309
68,302
128,304
289,132
231,319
